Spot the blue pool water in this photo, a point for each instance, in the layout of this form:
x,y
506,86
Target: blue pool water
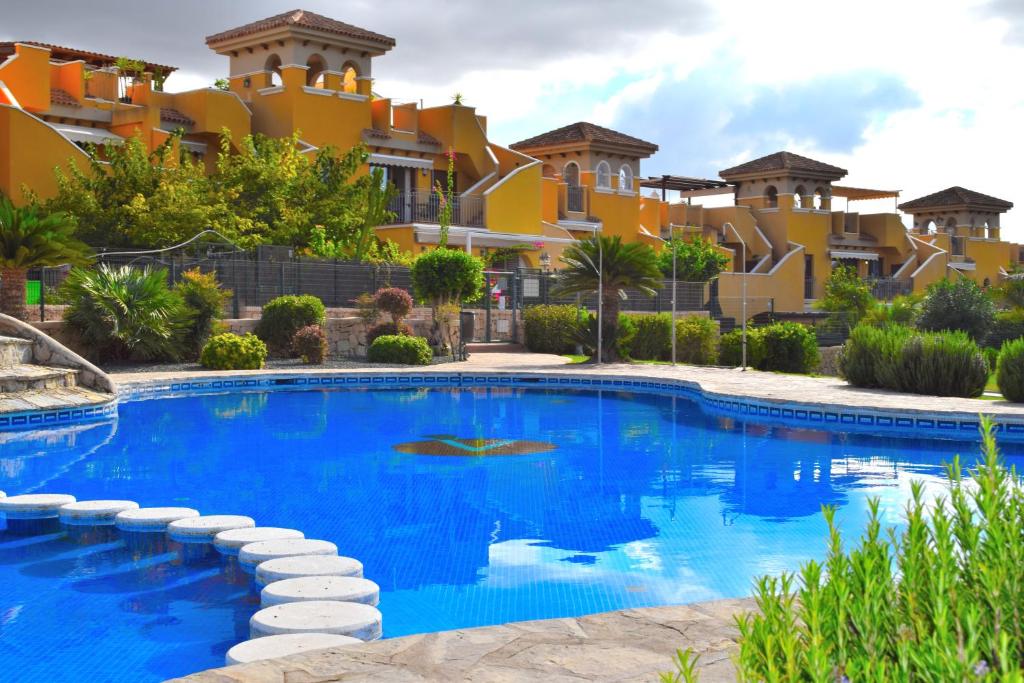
x,y
639,500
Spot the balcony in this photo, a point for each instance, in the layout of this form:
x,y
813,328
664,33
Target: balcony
x,y
425,207
575,199
888,288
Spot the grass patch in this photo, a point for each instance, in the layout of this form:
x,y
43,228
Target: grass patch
x,y
575,359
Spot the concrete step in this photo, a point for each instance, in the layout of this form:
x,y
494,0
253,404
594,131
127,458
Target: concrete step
x,y
494,347
49,399
25,377
14,351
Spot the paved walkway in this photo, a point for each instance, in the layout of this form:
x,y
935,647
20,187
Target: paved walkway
x,y
629,645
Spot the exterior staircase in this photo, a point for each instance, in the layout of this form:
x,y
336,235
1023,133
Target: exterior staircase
x,y
30,386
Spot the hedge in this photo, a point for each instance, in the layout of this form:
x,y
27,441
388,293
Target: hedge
x,y
284,316
399,348
551,328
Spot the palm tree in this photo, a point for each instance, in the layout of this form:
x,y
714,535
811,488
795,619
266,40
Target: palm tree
x,y
616,266
31,238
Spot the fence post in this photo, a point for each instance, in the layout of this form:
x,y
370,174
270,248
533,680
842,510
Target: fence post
x,y
234,299
334,271
298,274
514,286
280,278
42,295
487,306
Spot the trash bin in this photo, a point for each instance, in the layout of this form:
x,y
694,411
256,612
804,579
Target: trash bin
x,y
466,323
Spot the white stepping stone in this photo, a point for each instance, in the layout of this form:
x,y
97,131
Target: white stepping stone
x,y
94,512
255,553
231,541
335,588
283,645
34,505
2,494
152,519
318,616
308,565
202,529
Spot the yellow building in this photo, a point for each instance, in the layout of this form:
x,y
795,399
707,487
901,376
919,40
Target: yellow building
x,y
300,72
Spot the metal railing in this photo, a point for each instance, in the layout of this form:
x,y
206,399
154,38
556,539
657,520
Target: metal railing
x,y
575,198
425,207
888,288
958,244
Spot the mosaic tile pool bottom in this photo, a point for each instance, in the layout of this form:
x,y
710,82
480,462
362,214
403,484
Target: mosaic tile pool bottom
x,y
645,499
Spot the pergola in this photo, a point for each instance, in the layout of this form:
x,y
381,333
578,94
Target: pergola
x,y
686,186
856,194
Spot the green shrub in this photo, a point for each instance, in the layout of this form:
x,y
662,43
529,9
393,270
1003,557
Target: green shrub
x,y
382,329
870,355
551,329
652,338
625,335
443,275
697,260
232,352
310,344
902,311
957,305
847,296
696,340
991,357
936,601
1006,326
730,347
284,316
397,348
124,312
1010,371
204,301
789,347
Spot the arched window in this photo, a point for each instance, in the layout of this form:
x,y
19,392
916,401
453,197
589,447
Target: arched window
x,y
626,177
930,228
798,197
348,79
571,174
316,65
273,65
604,175
819,198
951,225
771,197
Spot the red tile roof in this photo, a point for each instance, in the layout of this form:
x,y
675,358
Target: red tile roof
x,y
175,116
70,54
62,98
585,132
427,139
304,19
784,161
957,196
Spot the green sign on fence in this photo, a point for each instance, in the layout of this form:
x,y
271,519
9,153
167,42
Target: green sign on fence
x,y
32,291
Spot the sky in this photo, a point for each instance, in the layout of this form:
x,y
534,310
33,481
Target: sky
x,y
910,95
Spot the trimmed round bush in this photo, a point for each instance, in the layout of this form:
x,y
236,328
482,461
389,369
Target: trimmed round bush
x,y
284,316
381,329
395,302
653,338
730,348
551,328
1010,371
696,340
399,348
233,352
447,275
310,344
789,347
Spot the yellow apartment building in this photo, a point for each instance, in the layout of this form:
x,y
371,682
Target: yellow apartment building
x,y
302,72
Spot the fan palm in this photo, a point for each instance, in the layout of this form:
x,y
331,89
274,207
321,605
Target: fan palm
x,y
31,238
607,263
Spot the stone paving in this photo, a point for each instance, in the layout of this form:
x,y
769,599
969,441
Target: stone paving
x,y
628,645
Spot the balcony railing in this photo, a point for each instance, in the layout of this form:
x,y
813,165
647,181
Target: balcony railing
x,y
575,198
425,207
888,288
958,244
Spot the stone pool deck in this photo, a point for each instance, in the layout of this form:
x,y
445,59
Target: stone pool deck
x,y
628,645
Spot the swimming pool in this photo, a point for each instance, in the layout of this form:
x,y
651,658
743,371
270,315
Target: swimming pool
x,y
469,506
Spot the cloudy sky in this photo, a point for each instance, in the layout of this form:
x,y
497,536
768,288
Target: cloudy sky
x,y
915,95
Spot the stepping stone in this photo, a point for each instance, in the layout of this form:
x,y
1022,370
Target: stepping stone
x,y
272,647
202,529
318,616
231,541
151,519
94,512
2,494
334,588
35,505
256,553
307,565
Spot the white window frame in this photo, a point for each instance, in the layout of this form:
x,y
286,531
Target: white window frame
x,y
605,169
625,178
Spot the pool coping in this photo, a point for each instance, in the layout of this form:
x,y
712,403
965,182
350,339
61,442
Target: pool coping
x,y
771,398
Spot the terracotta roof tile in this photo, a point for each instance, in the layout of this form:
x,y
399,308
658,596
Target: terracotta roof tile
x,y
427,139
175,116
375,133
304,19
62,98
584,132
784,161
957,196
59,52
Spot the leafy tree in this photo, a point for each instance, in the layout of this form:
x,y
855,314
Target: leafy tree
x,y
846,294
696,260
957,305
616,267
902,311
445,197
1010,294
222,84
204,300
376,195
31,237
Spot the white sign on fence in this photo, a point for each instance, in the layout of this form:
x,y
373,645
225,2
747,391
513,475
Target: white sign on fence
x,y
531,288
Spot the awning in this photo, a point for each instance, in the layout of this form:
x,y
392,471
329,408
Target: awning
x,y
395,160
854,194
96,136
858,255
195,147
